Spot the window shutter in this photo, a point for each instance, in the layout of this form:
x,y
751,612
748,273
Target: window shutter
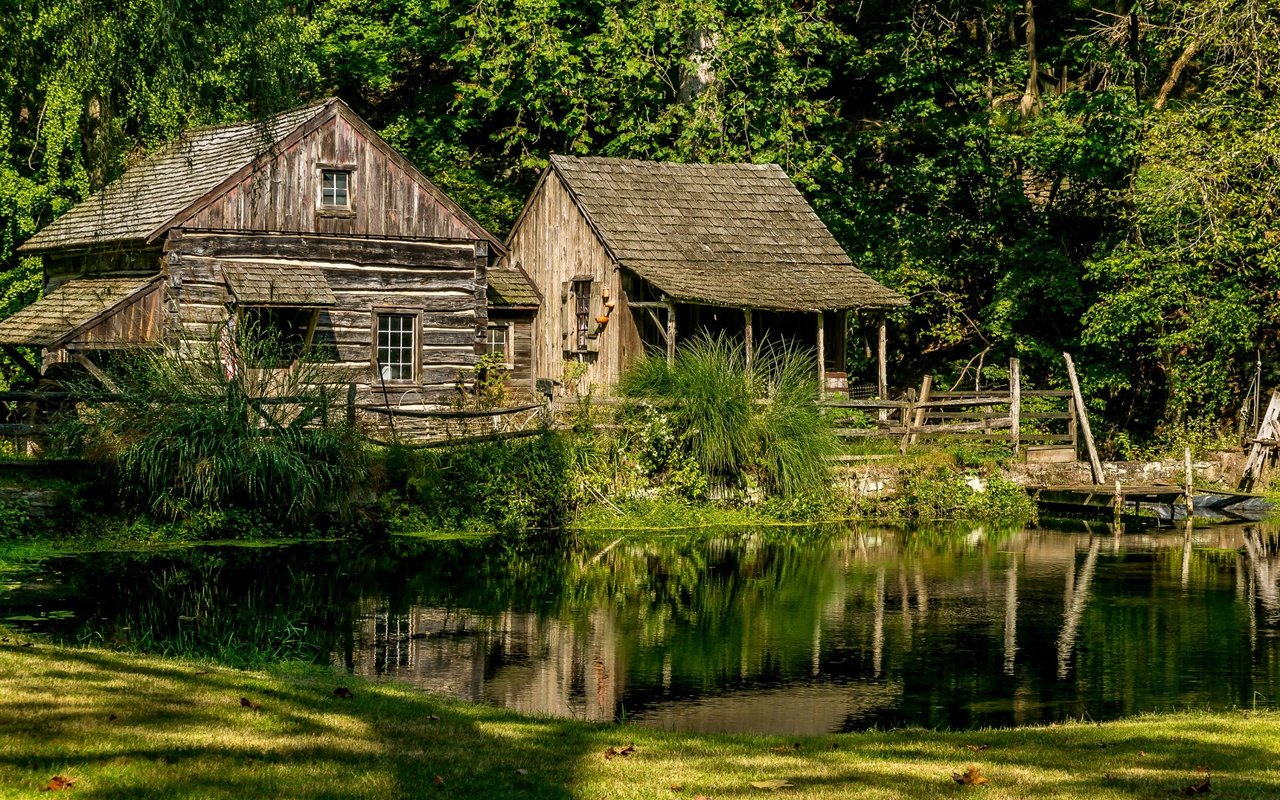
x,y
566,315
596,333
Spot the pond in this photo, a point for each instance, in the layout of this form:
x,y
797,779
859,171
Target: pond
x,y
779,630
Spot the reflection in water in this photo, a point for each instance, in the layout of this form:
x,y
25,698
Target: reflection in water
x,y
786,631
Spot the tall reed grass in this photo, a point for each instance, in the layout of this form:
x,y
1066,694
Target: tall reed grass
x,y
736,420
220,426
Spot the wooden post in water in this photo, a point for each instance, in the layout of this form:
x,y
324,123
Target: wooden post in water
x,y
882,365
1118,503
1015,405
1189,490
1094,463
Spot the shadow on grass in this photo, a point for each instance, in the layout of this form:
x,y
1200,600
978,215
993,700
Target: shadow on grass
x,y
125,726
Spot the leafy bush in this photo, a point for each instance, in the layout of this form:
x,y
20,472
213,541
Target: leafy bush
x,y
735,421
192,435
942,493
505,485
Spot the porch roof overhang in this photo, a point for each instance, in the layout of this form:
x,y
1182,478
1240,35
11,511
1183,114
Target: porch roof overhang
x,y
797,287
77,306
280,285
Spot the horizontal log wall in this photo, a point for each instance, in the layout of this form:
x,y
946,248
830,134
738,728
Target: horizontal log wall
x,y
439,282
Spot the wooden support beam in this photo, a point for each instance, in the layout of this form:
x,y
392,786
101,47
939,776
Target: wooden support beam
x,y
311,331
926,386
1260,451
748,336
1094,463
94,370
1015,404
822,354
882,365
671,332
19,358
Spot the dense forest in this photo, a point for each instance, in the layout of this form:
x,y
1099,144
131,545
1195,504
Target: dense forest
x,y
1034,176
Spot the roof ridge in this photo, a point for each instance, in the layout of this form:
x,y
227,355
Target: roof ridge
x,y
217,126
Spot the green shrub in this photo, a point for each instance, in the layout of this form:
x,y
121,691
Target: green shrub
x,y
734,421
506,485
189,436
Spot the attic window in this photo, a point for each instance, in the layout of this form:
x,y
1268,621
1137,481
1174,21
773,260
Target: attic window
x,y
335,188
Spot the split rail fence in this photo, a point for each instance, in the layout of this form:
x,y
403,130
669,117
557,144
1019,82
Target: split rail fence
x,y
991,415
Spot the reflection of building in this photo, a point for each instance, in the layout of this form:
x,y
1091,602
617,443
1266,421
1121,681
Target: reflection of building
x,y
515,659
881,628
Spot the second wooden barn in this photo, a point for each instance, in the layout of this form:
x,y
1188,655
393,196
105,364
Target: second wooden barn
x,y
630,257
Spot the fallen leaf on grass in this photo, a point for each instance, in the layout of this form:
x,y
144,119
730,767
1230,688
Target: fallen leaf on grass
x,y
432,718
675,787
522,771
701,797
613,752
247,703
773,785
59,783
1202,787
343,691
972,777
439,781
787,748
977,748
1142,754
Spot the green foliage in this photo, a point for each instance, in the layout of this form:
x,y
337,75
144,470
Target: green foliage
x,y
186,439
733,421
15,520
504,485
942,493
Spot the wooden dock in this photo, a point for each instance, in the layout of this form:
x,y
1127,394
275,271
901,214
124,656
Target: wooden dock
x,y
1120,500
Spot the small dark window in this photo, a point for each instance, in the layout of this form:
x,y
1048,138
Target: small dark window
x,y
498,342
582,312
277,336
396,346
335,188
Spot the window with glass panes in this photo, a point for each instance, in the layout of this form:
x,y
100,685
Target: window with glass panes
x,y
335,187
396,346
497,342
582,313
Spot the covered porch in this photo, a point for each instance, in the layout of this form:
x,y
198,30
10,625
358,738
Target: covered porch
x,y
663,321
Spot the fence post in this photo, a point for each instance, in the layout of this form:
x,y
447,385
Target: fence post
x,y
917,419
1015,405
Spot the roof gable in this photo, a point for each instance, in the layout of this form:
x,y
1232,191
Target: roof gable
x,y
207,166
725,234
139,204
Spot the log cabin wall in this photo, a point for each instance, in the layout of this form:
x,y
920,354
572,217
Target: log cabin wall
x,y
555,243
284,194
437,281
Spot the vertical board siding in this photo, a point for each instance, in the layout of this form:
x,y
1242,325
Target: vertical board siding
x,y
554,242
284,194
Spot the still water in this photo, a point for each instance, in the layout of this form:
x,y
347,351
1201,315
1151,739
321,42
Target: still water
x,y
779,631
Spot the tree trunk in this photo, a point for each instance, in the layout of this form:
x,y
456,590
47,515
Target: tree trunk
x,y
1175,73
1030,104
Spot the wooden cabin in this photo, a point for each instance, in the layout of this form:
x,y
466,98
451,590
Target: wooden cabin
x,y
307,224
630,257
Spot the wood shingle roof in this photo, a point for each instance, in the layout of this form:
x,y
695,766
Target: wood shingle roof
x,y
68,309
139,203
736,235
510,286
295,285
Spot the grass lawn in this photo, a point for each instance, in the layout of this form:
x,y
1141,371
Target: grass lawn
x,y
124,726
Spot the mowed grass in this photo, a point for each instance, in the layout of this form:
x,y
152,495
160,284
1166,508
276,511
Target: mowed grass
x,y
123,726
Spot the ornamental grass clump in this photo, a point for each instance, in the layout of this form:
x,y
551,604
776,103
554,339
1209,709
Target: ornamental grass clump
x,y
737,421
224,426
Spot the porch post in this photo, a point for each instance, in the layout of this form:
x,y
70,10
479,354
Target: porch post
x,y
747,314
882,367
822,354
671,332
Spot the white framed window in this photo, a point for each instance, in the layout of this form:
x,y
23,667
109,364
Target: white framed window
x,y
396,345
499,341
335,188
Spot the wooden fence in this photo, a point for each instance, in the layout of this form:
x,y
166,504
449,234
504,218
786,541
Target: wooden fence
x,y
992,415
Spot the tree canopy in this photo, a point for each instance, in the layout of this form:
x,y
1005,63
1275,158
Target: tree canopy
x,y
1035,176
